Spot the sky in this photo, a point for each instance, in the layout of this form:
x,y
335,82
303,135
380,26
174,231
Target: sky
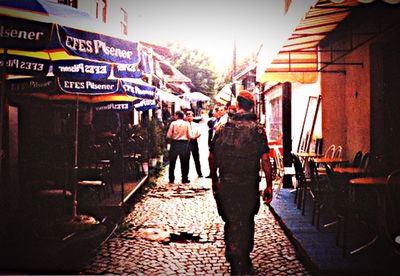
x,y
213,25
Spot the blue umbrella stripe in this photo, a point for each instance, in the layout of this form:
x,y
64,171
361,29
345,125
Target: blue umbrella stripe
x,y
81,69
144,105
31,85
22,34
140,91
127,71
96,46
25,66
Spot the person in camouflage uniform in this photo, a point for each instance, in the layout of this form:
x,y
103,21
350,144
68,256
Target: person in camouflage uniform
x,y
235,154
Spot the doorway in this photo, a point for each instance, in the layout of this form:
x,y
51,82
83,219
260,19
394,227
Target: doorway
x,y
385,110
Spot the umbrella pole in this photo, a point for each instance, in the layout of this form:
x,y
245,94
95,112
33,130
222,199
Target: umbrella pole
x,y
75,181
122,159
2,101
78,220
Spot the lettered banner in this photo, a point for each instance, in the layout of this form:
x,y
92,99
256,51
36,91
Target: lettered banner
x,y
97,46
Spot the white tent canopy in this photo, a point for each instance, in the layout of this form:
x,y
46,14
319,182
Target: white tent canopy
x,y
167,97
196,97
171,98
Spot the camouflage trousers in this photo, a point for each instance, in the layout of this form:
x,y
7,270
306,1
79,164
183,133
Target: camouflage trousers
x,y
237,205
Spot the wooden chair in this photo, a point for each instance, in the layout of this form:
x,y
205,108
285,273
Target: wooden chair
x,y
392,211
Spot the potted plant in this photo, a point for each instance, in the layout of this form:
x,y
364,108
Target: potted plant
x,y
155,136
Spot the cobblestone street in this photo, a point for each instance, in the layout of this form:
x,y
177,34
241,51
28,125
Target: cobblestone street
x,y
175,229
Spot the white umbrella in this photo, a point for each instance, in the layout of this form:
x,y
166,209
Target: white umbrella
x,y
196,97
167,97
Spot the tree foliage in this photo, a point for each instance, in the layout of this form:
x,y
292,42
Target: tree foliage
x,y
197,66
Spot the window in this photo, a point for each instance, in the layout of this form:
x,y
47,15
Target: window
x,y
276,117
101,10
124,22
72,3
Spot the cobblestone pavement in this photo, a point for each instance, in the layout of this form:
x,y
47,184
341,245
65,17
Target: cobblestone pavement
x,y
175,229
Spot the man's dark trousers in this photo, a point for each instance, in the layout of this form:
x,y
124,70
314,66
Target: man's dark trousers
x,y
194,149
179,148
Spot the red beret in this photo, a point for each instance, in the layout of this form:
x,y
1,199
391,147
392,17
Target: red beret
x,y
247,96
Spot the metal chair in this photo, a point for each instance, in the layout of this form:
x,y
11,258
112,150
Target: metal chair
x,y
357,159
365,160
337,153
334,201
392,211
281,170
318,190
330,151
302,184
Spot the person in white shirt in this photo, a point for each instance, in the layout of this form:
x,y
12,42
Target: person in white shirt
x,y
193,144
179,133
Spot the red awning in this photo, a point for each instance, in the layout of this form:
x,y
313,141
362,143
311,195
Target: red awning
x,y
298,57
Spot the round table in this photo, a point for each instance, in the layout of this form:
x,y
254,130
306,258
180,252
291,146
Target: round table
x,y
350,170
330,160
373,182
308,154
368,181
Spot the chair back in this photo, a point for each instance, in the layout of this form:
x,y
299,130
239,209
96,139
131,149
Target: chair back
x,y
318,145
365,160
338,152
315,179
335,181
357,159
298,168
392,208
330,151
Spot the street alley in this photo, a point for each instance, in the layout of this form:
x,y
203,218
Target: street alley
x,y
175,229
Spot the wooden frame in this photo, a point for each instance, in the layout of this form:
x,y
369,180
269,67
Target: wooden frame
x,y
310,118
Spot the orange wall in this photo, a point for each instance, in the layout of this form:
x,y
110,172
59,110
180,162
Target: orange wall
x,y
346,104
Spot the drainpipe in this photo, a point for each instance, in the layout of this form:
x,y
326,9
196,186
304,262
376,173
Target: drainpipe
x,y
287,130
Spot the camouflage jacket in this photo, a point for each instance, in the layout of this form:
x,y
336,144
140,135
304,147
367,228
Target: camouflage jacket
x,y
238,146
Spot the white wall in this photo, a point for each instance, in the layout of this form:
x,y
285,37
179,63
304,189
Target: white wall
x,y
300,95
